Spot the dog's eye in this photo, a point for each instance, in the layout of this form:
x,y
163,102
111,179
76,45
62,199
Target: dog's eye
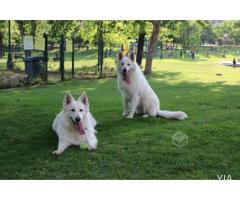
x,y
81,110
128,64
122,63
73,110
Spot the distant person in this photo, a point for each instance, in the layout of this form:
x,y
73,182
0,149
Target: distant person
x,y
193,54
224,53
234,62
169,53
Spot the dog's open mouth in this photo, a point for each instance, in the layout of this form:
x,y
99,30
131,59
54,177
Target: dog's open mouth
x,y
78,126
126,76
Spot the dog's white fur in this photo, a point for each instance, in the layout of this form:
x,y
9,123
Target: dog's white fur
x,y
138,96
63,124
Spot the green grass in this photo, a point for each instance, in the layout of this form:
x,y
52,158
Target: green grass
x,y
129,149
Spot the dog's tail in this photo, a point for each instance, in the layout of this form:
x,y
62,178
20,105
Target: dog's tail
x,y
172,114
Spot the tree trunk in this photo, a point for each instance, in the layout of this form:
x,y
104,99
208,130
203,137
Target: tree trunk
x,y
141,38
33,29
151,47
1,45
21,28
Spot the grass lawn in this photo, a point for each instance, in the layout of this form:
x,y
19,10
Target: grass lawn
x,y
129,149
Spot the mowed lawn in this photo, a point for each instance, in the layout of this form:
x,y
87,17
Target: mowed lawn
x,y
129,149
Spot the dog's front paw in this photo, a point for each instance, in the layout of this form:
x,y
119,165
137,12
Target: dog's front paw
x,y
57,152
92,147
130,116
125,114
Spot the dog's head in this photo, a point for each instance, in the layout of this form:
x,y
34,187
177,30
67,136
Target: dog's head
x,y
125,65
76,110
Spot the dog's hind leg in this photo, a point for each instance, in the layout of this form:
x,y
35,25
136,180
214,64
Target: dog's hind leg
x,y
152,112
139,110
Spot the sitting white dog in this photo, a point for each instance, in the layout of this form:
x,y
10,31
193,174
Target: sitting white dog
x,y
138,96
75,125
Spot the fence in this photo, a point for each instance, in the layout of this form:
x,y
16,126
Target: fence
x,y
68,58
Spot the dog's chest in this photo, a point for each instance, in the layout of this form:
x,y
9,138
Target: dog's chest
x,y
127,88
75,138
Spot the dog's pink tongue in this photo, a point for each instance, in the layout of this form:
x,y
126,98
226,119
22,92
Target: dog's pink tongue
x,y
80,128
126,78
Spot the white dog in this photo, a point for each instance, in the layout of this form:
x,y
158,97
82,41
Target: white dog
x,y
75,124
138,96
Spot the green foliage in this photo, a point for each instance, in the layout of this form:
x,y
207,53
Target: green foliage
x,y
117,32
228,32
186,33
208,35
88,30
65,27
235,32
165,35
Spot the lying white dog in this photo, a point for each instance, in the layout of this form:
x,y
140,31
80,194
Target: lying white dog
x,y
75,125
138,96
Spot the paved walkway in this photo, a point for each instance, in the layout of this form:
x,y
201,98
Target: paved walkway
x,y
229,63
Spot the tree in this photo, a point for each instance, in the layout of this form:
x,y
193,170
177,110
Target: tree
x,y
187,33
25,28
63,27
2,29
235,32
194,32
33,29
140,45
141,40
223,32
151,47
165,36
87,31
208,35
21,28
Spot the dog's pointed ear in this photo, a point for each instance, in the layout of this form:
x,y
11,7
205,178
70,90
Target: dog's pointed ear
x,y
132,56
84,99
68,98
120,55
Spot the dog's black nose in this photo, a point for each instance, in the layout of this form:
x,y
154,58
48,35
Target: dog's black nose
x,y
124,70
77,119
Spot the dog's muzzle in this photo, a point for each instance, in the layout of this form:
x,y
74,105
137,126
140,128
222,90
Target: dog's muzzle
x,y
125,75
78,125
